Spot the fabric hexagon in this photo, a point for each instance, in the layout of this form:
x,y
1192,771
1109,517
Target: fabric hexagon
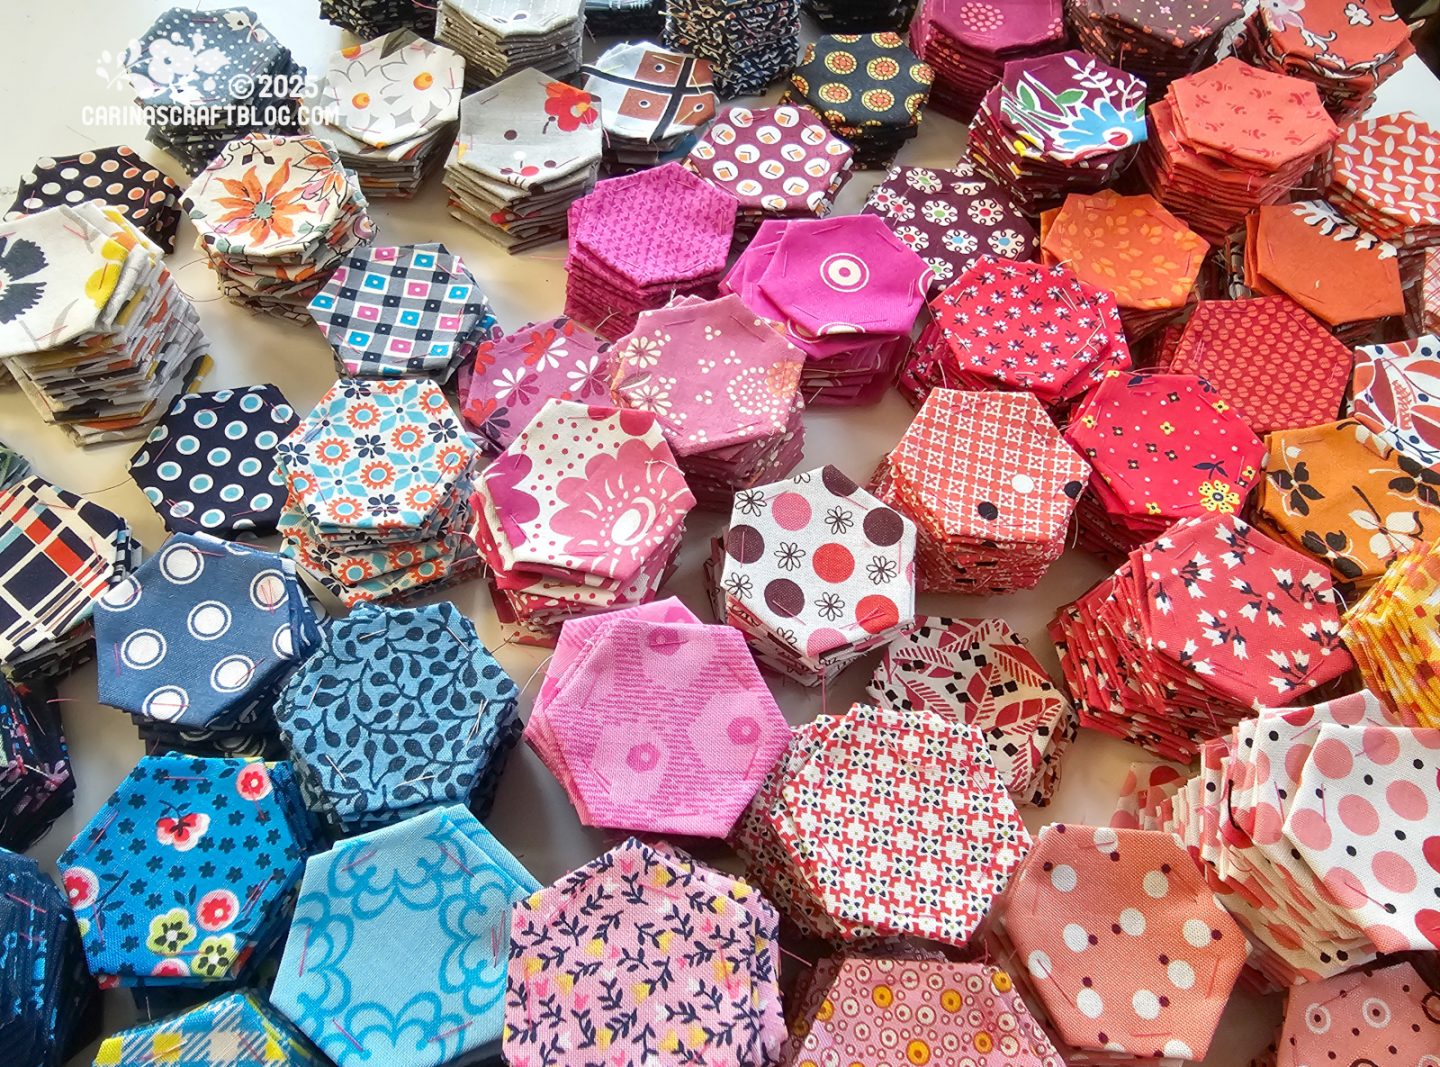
x,y
201,636
209,464
1121,941
398,711
185,875
438,887
815,571
644,955
236,1030
662,727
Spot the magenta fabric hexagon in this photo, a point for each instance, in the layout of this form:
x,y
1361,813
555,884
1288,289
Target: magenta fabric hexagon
x,y
846,275
660,726
616,224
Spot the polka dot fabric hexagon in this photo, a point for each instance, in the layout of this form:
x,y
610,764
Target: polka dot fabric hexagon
x,y
117,177
209,464
1392,1012
816,571
1120,940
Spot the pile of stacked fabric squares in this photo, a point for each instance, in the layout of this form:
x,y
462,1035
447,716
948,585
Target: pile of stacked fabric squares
x,y
725,388
398,711
1230,138
209,464
1003,325
44,985
749,43
516,374
388,106
1155,40
117,177
950,218
403,311
274,216
815,572
991,486
1055,124
702,960
1175,647
869,89
196,641
583,512
1162,447
106,366
1162,256
209,77
379,484
1126,953
62,554
37,784
230,836
621,263
845,291
1273,362
528,147
1348,51
907,769
777,162
655,722
652,103
425,903
968,45
498,37
980,672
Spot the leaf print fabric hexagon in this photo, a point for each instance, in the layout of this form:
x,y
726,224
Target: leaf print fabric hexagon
x,y
1386,178
438,884
1120,940
184,876
397,712
660,727
209,464
815,571
644,955
1395,392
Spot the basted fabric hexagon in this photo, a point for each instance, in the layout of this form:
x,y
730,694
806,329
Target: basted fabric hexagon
x,y
202,635
399,946
235,1030
644,955
1396,393
403,310
397,712
659,726
1123,944
185,875
209,464
815,571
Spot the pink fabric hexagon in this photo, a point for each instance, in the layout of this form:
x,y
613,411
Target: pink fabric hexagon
x,y
658,725
845,275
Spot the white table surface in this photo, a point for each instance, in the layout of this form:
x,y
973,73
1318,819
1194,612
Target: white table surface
x,y
60,64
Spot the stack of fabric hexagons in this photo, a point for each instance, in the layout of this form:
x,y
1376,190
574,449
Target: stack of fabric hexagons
x,y
990,485
379,480
397,712
403,311
940,840
497,37
815,572
583,512
387,106
656,722
725,387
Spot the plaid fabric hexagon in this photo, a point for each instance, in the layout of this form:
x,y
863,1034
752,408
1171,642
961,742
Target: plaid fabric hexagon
x,y
236,1030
